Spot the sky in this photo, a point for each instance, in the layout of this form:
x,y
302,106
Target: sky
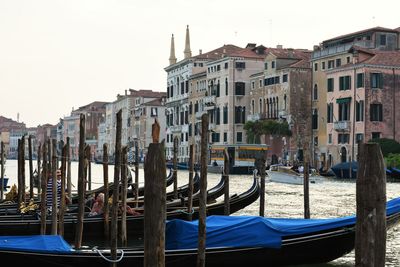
x,y
56,55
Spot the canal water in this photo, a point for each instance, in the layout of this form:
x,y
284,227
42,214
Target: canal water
x,y
330,199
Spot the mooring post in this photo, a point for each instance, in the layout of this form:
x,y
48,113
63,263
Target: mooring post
x,y
30,167
124,190
81,183
106,208
155,202
261,168
39,172
63,198
226,181
115,197
306,188
54,207
201,256
69,183
87,158
191,169
175,171
2,170
23,195
136,174
43,204
370,240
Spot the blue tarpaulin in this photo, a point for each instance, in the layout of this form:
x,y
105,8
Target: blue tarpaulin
x,y
37,243
252,231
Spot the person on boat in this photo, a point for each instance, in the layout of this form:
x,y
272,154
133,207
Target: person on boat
x,y
215,163
49,191
129,210
300,169
98,205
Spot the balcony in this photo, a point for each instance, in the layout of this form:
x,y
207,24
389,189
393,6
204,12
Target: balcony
x,y
209,100
176,128
253,117
342,126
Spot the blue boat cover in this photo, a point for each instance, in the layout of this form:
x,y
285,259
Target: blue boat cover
x,y
35,243
252,231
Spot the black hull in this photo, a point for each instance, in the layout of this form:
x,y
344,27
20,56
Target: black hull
x,y
93,227
312,248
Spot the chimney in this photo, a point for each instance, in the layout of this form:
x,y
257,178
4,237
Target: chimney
x,y
126,92
200,51
279,46
316,47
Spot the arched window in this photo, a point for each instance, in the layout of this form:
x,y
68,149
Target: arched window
x,y
260,111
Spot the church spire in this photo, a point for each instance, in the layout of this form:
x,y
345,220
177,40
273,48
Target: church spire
x,y
172,58
187,53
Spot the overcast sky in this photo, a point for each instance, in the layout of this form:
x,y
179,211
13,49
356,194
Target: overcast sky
x,y
58,55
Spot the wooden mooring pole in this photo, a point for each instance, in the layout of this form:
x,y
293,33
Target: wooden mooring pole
x,y
81,183
30,167
115,197
54,207
261,168
190,193
69,183
370,240
39,172
136,174
2,170
175,171
63,198
155,202
43,200
201,256
106,208
227,206
124,190
306,188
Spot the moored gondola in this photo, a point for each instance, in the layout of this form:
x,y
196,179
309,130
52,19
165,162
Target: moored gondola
x,y
231,241
29,224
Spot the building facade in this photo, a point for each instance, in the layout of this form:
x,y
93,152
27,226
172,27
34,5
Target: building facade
x,y
329,55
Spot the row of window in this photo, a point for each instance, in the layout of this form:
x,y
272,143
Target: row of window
x,y
270,81
345,82
344,138
331,63
215,137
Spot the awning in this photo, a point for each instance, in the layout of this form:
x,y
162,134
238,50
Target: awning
x,y
343,100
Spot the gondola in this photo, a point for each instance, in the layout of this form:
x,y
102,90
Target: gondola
x,y
231,241
29,224
182,191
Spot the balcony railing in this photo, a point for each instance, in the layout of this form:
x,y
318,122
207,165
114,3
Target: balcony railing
x,y
342,126
253,117
176,128
209,100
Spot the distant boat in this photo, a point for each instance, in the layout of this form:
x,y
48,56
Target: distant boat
x,y
348,170
242,157
179,165
283,174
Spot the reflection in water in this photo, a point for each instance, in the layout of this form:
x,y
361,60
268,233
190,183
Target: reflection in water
x,y
330,199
